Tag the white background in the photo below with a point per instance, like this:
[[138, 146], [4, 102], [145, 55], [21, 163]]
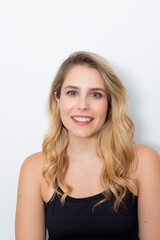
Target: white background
[[36, 36]]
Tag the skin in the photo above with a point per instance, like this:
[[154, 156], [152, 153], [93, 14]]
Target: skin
[[33, 190]]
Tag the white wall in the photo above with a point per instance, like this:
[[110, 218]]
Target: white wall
[[36, 36]]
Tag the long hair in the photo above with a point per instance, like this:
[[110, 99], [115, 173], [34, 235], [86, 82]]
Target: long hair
[[114, 141]]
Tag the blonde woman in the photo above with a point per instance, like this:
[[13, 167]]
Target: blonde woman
[[91, 181]]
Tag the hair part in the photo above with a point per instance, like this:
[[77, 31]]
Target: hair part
[[114, 140]]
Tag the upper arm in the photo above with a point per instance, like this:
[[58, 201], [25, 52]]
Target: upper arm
[[149, 193], [30, 219]]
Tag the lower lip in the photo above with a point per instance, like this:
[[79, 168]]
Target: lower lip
[[82, 123]]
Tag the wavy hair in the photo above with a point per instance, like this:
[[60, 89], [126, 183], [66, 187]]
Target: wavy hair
[[114, 140]]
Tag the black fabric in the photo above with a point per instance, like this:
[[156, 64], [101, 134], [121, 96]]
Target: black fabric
[[76, 220]]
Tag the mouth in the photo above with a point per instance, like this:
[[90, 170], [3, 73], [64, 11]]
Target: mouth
[[83, 120]]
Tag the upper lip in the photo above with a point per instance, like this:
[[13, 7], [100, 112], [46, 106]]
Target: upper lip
[[82, 116]]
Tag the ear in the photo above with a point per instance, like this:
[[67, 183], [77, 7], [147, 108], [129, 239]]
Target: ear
[[57, 99]]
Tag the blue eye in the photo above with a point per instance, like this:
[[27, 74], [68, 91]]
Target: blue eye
[[97, 95], [72, 93]]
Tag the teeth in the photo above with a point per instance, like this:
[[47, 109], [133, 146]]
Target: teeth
[[82, 119]]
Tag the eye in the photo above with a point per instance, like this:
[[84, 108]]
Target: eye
[[72, 93], [96, 95]]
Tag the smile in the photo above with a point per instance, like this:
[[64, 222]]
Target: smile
[[82, 119]]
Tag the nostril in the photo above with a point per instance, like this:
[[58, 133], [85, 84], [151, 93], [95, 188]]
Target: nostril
[[84, 107]]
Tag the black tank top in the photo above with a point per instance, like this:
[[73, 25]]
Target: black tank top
[[76, 220]]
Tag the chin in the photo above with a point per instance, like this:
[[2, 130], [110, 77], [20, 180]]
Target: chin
[[83, 135]]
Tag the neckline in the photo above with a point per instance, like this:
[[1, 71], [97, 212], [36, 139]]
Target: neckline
[[96, 196], [83, 198]]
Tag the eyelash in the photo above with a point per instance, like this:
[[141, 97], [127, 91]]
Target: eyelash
[[100, 95]]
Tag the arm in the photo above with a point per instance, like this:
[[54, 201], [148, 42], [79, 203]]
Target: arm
[[149, 193], [30, 217]]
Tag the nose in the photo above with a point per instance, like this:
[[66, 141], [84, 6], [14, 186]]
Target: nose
[[83, 104]]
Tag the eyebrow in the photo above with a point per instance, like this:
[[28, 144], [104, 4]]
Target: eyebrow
[[95, 89]]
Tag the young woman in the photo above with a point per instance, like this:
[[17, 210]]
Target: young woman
[[91, 181]]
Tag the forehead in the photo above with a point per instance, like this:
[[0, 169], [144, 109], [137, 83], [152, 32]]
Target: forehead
[[83, 76]]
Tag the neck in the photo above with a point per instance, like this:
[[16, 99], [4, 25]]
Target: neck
[[82, 149]]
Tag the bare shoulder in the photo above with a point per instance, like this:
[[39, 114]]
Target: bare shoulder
[[148, 178], [147, 157], [33, 165], [31, 173], [32, 169], [35, 159], [30, 210], [145, 150], [148, 167]]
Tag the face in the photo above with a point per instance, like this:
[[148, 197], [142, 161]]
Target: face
[[83, 102]]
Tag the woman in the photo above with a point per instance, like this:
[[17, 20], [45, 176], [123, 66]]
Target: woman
[[91, 181]]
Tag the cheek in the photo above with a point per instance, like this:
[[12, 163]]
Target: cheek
[[65, 106], [102, 109]]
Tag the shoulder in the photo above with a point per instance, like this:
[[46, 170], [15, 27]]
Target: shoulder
[[148, 178], [35, 159], [144, 150], [148, 164], [30, 218], [146, 156], [32, 166], [31, 177]]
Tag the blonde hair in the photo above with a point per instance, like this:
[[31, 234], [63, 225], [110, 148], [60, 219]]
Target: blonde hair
[[114, 140]]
